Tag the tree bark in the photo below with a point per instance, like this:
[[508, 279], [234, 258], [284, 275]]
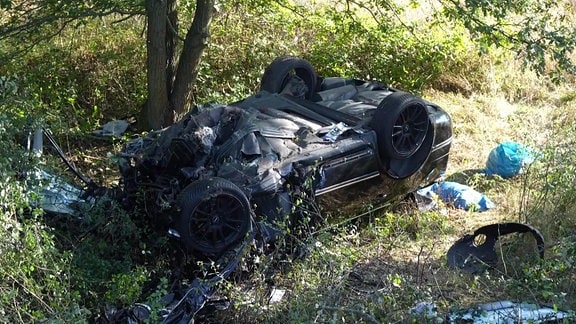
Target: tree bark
[[157, 102], [171, 40], [188, 65], [170, 83]]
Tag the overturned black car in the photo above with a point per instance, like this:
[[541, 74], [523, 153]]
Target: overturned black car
[[224, 169]]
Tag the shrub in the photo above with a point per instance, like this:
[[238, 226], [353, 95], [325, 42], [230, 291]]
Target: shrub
[[35, 272], [87, 75]]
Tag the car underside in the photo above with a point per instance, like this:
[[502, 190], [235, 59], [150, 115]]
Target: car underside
[[223, 169]]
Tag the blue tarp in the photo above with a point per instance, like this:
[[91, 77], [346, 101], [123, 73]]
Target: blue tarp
[[459, 195]]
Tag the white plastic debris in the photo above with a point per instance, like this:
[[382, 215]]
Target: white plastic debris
[[276, 295]]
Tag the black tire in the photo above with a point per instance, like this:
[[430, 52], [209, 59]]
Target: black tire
[[214, 215], [278, 74], [401, 123]]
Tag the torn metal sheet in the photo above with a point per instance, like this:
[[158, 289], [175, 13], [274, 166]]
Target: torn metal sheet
[[58, 196], [500, 312], [474, 255], [201, 291], [507, 312]]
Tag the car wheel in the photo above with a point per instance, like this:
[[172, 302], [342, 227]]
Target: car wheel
[[401, 123], [214, 214], [281, 70]]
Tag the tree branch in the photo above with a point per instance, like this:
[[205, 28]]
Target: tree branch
[[41, 20]]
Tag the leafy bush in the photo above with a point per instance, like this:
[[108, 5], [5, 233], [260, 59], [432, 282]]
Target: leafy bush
[[550, 184], [56, 266], [36, 273], [337, 44], [548, 204], [87, 75], [402, 58]]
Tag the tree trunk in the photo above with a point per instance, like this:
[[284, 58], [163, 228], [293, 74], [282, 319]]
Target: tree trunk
[[170, 83], [171, 39], [157, 103], [188, 65]]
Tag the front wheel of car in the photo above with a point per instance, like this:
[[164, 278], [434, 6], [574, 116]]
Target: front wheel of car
[[401, 124], [214, 215], [278, 74]]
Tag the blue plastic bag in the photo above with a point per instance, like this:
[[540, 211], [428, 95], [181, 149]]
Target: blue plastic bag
[[508, 159], [462, 196]]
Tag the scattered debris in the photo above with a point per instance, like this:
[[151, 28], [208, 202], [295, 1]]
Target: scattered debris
[[228, 176], [501, 312], [475, 253], [55, 195], [139, 313], [334, 132]]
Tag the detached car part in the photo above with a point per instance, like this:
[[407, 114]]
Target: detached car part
[[225, 168], [56, 195], [505, 312], [475, 253]]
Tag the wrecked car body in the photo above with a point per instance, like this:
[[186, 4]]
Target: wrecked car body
[[225, 176], [223, 169]]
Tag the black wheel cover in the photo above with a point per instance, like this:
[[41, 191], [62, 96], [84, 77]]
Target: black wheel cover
[[278, 74], [215, 214], [401, 122]]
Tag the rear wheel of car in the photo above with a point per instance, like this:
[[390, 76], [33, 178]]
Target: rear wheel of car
[[281, 70], [214, 215], [401, 123]]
